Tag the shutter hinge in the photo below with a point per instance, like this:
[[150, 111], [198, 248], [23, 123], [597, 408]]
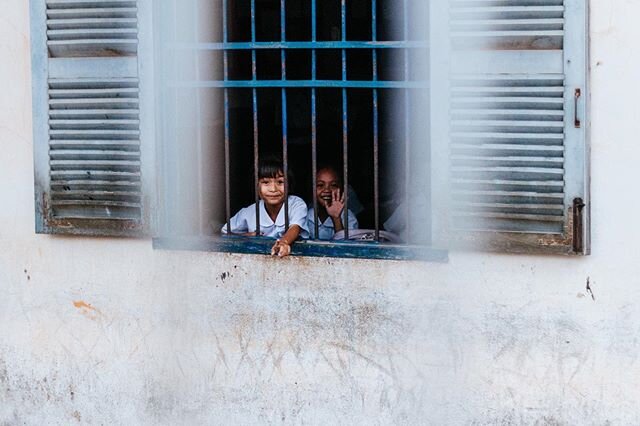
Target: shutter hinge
[[578, 225], [576, 120]]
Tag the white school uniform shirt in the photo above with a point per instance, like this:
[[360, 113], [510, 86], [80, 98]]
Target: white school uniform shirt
[[245, 220], [325, 229]]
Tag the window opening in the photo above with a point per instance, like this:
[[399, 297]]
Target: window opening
[[323, 79]]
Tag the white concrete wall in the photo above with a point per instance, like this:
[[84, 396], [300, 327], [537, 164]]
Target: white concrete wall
[[107, 331]]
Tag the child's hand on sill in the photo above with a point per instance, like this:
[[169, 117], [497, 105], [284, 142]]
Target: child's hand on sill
[[281, 248]]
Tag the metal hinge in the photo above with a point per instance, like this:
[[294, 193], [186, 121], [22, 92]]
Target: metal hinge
[[576, 118], [578, 225]]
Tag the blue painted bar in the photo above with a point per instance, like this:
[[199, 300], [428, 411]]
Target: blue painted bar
[[227, 172], [407, 123], [243, 45], [262, 246], [285, 153], [376, 168], [254, 102], [345, 120], [353, 84], [314, 128]]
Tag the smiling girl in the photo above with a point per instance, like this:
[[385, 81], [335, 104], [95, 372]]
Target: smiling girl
[[330, 200], [271, 189]]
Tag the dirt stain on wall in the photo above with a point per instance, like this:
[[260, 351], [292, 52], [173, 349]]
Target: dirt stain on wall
[[87, 309]]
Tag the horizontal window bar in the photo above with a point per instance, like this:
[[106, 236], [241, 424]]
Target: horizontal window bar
[[303, 45], [262, 245], [353, 84]]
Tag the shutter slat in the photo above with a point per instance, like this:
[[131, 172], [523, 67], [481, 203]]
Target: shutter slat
[[114, 93], [94, 113], [92, 34], [94, 155], [519, 216], [507, 25], [121, 144], [93, 12], [58, 4], [108, 175], [92, 28], [83, 195], [133, 135]]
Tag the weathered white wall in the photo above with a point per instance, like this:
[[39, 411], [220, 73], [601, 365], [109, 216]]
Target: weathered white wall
[[108, 331]]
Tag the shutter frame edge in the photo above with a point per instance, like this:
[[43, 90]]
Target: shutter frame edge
[[554, 244], [45, 223]]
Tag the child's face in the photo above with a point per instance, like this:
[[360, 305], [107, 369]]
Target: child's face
[[272, 190], [326, 183]]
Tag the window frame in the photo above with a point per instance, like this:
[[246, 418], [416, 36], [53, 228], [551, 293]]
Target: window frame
[[439, 174], [310, 247]]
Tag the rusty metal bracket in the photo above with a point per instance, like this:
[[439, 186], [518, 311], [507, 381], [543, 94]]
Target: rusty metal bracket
[[578, 225]]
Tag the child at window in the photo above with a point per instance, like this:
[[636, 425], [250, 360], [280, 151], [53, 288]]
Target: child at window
[[330, 205], [271, 180]]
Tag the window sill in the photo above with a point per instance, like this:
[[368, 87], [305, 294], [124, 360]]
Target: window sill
[[259, 245]]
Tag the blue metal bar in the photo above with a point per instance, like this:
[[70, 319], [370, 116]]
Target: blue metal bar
[[285, 154], [245, 45], [314, 128], [353, 84], [376, 169], [198, 119], [254, 101], [345, 118], [227, 172], [407, 110], [260, 246]]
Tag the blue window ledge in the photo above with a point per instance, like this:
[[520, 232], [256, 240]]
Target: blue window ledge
[[262, 245]]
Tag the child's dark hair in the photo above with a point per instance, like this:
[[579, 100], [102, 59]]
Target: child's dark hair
[[331, 167], [271, 166]]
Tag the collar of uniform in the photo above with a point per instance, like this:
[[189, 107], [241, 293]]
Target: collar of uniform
[[312, 218], [266, 219]]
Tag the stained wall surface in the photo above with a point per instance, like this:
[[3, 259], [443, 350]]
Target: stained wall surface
[[110, 331]]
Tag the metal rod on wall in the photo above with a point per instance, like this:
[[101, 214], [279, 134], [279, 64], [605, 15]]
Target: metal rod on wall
[[227, 172], [314, 129], [285, 154], [254, 103], [345, 120], [376, 168], [407, 124]]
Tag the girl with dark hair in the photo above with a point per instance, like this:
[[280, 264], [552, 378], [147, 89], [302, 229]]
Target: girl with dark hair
[[330, 201], [271, 190]]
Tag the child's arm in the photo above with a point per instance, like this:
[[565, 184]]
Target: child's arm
[[282, 247]]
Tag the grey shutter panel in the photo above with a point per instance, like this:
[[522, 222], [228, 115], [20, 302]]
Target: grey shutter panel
[[86, 117], [518, 150]]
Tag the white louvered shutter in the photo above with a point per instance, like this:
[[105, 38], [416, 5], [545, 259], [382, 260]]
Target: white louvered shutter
[[518, 128], [86, 117]]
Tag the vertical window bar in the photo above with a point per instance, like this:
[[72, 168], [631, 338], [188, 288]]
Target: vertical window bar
[[283, 68], [198, 120], [407, 155], [376, 170], [345, 141], [314, 129], [227, 177], [256, 151]]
